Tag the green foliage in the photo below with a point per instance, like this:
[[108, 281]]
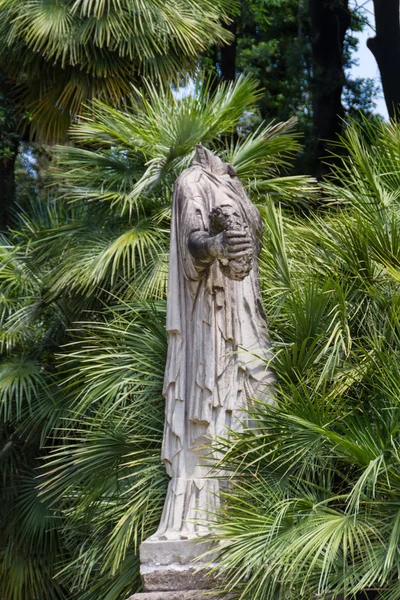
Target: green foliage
[[278, 54], [61, 54], [273, 43], [83, 279], [124, 184], [313, 510], [105, 475]]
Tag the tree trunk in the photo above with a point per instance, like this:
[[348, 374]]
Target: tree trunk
[[7, 189], [10, 137], [227, 63], [330, 20], [385, 47]]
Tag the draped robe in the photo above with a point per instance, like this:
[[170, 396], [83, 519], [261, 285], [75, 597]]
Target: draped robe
[[218, 348]]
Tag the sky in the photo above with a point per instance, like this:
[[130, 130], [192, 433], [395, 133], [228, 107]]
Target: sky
[[367, 66]]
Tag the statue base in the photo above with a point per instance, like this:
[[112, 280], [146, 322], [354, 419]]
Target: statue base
[[177, 578], [183, 552], [172, 570]]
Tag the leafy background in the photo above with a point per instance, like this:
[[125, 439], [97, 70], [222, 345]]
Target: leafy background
[[313, 509]]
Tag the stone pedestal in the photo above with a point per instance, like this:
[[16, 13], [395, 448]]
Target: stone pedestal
[[183, 552], [175, 578], [172, 570]]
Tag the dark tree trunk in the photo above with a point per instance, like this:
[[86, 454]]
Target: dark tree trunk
[[330, 20], [10, 137], [385, 46], [227, 62], [7, 188]]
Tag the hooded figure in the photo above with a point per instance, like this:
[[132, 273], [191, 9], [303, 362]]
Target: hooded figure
[[218, 345]]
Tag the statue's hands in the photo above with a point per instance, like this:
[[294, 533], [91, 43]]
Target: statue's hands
[[230, 245], [227, 245]]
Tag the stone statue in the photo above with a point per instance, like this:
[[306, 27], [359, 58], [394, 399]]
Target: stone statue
[[218, 353], [218, 341]]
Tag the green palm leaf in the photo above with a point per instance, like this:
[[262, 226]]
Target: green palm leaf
[[61, 55]]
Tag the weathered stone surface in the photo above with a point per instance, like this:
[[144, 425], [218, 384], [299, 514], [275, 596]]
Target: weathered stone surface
[[168, 552], [177, 577], [187, 595], [218, 343]]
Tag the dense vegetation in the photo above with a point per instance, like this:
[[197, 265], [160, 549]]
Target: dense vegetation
[[83, 335], [313, 507]]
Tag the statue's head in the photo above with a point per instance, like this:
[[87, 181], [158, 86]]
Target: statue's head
[[210, 162]]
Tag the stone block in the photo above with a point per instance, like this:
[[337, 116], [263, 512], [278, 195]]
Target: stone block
[[167, 552], [177, 577]]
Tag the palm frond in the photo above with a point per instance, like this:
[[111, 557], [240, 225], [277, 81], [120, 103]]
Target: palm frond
[[97, 50]]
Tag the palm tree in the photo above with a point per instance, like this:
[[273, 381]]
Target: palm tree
[[55, 56], [126, 182], [63, 54], [83, 312], [313, 510]]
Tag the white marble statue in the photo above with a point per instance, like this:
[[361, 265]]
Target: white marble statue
[[218, 347]]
